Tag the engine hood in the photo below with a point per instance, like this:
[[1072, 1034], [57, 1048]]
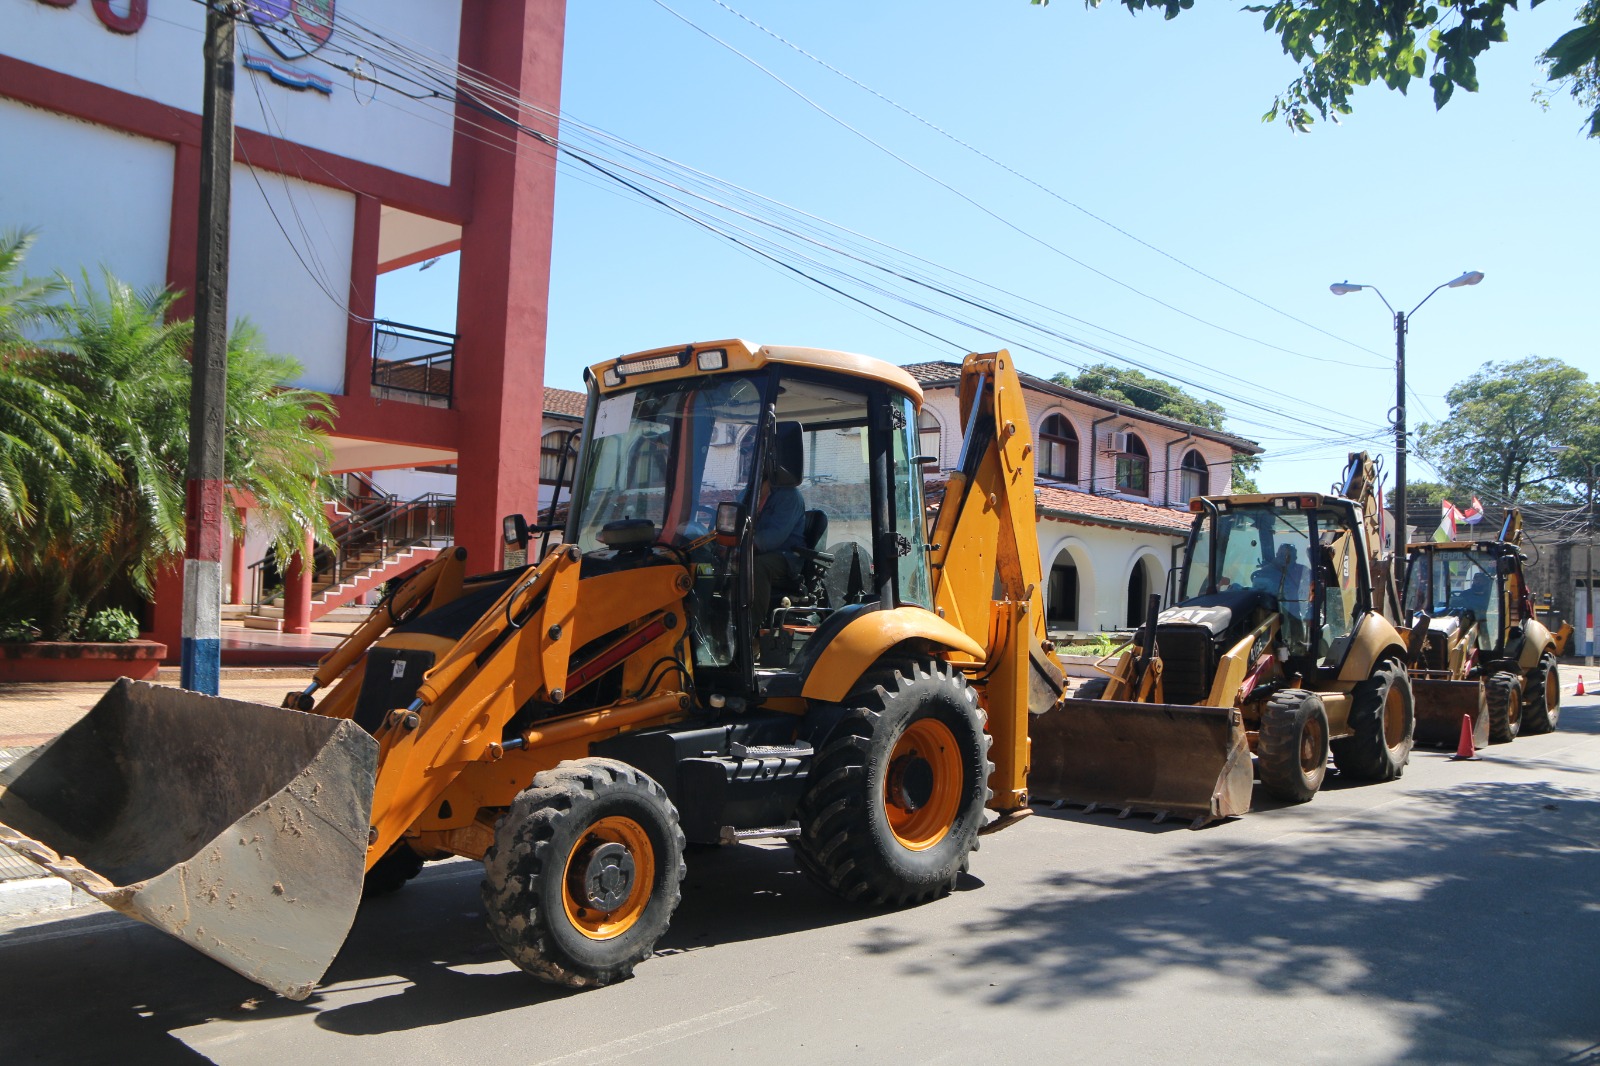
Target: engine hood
[[1216, 611]]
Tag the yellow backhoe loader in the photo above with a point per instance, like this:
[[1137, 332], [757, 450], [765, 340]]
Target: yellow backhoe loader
[[1282, 645], [1485, 653], [746, 633]]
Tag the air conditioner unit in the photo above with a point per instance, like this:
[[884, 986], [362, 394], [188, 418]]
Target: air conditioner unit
[[1116, 441], [724, 433]]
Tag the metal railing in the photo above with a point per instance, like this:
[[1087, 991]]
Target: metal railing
[[413, 364], [365, 540]]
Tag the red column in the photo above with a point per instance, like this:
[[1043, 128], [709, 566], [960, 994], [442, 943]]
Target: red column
[[297, 589], [505, 274], [238, 574]]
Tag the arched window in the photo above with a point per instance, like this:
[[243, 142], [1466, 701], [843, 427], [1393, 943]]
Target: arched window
[[1133, 468], [1195, 479], [1058, 449], [928, 439], [1061, 599], [550, 447]]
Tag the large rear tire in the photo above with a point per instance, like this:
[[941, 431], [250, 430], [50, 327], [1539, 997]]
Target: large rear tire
[[1541, 701], [897, 791], [584, 873], [1292, 745], [1505, 707], [1383, 718]]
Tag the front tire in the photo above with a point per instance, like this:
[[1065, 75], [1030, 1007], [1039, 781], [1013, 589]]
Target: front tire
[[897, 792], [1505, 707], [1541, 703], [391, 873], [1383, 718], [1292, 745], [584, 873], [1092, 689]]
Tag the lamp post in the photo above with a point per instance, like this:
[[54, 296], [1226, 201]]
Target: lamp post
[[1401, 321]]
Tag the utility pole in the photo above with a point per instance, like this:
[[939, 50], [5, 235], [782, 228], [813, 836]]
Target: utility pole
[[1588, 577], [202, 553], [1400, 324]]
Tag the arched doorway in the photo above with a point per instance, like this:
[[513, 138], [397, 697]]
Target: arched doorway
[[1143, 580], [1062, 593]]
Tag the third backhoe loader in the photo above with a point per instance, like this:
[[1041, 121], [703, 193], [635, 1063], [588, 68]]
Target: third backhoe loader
[[1486, 654], [1282, 644], [746, 634]]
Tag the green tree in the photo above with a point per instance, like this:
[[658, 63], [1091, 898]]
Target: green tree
[[1153, 394], [113, 513], [1343, 45], [1508, 427], [1421, 494]]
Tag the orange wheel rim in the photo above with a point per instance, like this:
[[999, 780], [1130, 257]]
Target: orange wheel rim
[[1311, 741], [606, 883], [922, 792], [1394, 717]]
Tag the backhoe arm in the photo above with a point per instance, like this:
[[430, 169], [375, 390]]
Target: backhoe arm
[[987, 521]]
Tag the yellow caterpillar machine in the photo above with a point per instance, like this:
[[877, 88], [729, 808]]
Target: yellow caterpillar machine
[[746, 633], [1485, 646], [1282, 645]]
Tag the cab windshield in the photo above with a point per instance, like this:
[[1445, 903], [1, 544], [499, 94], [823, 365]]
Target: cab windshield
[[1257, 547], [1454, 582], [652, 456]]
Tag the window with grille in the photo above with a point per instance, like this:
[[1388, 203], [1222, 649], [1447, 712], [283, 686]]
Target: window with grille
[[1058, 449], [550, 447], [928, 436]]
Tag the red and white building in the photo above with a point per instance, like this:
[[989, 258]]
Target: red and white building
[[337, 179]]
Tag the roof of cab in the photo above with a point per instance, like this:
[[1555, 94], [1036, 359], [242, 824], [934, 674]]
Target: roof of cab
[[742, 355]]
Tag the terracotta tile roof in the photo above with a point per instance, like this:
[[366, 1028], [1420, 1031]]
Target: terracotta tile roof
[[565, 402], [941, 372], [1074, 506], [1069, 505]]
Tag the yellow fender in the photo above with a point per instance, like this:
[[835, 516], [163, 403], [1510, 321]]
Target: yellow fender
[[865, 639]]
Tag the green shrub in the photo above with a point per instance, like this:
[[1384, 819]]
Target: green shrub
[[20, 631], [112, 626]]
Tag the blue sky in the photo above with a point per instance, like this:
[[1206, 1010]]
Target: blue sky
[[1153, 126]]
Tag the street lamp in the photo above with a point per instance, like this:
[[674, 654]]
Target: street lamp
[[1401, 321]]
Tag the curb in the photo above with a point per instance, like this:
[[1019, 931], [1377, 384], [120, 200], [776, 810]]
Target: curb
[[38, 895]]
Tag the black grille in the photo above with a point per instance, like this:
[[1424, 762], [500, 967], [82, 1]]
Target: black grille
[[1186, 662]]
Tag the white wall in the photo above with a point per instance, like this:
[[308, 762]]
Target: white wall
[[162, 62], [87, 216], [296, 294], [1105, 559]]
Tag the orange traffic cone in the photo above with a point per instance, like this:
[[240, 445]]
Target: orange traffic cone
[[1579, 690], [1465, 750]]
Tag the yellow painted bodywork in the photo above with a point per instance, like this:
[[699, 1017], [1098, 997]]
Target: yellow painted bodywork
[[986, 536], [744, 356], [854, 650]]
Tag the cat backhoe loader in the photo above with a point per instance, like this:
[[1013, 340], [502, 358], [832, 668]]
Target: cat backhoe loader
[[1282, 645], [573, 723], [1486, 654]]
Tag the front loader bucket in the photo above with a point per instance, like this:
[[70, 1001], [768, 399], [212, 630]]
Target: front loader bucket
[[1157, 757], [1440, 706], [238, 828]]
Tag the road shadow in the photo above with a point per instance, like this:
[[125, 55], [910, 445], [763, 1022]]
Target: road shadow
[[1470, 918], [117, 990]]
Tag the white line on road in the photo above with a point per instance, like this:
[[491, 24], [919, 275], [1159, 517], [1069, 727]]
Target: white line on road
[[665, 1034]]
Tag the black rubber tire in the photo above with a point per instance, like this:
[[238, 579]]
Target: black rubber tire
[[1505, 706], [1092, 689], [526, 872], [1285, 722], [1367, 755], [846, 844], [390, 873], [1541, 700]]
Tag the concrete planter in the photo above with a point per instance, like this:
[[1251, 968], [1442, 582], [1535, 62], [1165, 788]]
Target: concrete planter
[[1081, 665], [51, 660]]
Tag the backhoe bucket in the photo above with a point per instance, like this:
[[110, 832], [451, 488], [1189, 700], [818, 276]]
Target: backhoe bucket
[[238, 828], [1156, 757], [1440, 706]]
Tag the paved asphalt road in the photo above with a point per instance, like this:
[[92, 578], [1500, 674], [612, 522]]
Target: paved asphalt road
[[1451, 917]]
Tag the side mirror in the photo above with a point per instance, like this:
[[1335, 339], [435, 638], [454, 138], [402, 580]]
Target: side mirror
[[514, 531], [1505, 565], [730, 521]]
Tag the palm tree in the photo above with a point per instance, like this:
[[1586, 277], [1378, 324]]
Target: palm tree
[[103, 529]]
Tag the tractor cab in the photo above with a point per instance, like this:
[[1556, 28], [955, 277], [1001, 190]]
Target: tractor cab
[[785, 479], [1461, 589]]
